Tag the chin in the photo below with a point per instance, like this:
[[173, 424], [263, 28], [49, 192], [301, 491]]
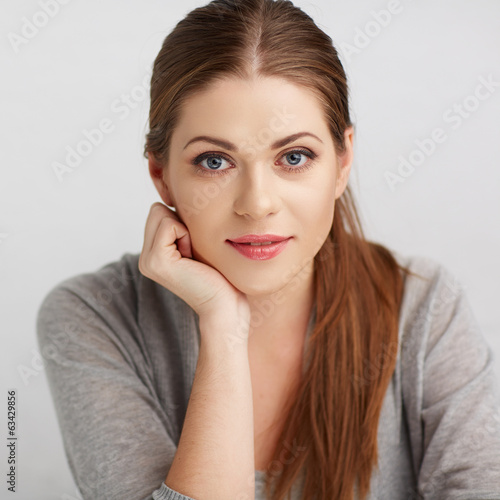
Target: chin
[[253, 285]]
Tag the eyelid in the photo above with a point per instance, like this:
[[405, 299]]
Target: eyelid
[[203, 155], [299, 149]]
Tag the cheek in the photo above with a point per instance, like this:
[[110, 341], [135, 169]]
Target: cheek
[[319, 212], [191, 206], [202, 231], [199, 247], [202, 198], [319, 201]]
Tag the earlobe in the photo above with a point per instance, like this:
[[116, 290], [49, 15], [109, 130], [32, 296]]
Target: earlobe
[[342, 179], [156, 171], [345, 163]]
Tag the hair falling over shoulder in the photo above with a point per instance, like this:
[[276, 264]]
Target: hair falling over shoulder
[[334, 415]]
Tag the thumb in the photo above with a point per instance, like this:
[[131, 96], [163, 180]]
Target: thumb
[[183, 244]]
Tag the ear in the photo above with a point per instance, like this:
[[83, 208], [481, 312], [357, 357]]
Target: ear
[[157, 171], [345, 162]]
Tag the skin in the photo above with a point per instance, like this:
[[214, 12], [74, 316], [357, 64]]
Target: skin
[[255, 194]]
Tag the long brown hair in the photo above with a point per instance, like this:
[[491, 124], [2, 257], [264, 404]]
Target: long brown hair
[[352, 350]]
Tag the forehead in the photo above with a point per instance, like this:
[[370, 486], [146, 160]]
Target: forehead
[[262, 106]]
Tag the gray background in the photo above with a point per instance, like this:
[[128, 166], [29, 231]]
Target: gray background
[[406, 75]]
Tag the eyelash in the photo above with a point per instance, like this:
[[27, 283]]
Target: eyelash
[[203, 171]]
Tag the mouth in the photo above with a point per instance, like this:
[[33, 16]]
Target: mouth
[[259, 239], [259, 244], [263, 250]]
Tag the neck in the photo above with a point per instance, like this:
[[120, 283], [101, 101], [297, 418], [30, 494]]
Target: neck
[[280, 319]]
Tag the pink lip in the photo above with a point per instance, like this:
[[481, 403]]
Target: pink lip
[[263, 252], [259, 238]]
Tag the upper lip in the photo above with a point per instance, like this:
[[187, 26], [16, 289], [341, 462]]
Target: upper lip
[[259, 238]]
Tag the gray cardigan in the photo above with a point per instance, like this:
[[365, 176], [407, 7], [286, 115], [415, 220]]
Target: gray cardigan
[[120, 353]]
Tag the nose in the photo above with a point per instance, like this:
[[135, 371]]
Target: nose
[[257, 192]]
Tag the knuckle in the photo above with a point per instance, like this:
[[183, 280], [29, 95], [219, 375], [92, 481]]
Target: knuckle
[[165, 221], [144, 265], [141, 268], [155, 263]]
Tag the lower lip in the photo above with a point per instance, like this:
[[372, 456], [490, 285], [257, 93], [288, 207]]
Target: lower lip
[[260, 252]]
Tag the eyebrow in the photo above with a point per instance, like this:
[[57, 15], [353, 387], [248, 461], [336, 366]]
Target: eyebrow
[[231, 147]]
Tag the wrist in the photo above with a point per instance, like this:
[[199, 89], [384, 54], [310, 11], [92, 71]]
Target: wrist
[[224, 332]]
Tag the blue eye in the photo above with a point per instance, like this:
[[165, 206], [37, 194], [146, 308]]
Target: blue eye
[[297, 155], [295, 168], [215, 161]]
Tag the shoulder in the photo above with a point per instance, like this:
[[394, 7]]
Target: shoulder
[[448, 384], [115, 282], [116, 299], [434, 304], [431, 286], [430, 273], [91, 309], [119, 274], [437, 324]]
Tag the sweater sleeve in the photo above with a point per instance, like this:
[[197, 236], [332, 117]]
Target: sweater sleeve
[[115, 431], [454, 412]]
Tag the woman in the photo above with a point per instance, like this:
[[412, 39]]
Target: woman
[[259, 345]]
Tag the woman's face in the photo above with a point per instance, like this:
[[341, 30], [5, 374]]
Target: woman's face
[[247, 177]]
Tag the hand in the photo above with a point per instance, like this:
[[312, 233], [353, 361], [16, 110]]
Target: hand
[[167, 258]]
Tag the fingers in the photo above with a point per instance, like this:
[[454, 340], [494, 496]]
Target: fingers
[[183, 242], [169, 235], [156, 213], [163, 229]]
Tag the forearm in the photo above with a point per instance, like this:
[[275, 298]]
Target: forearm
[[215, 456]]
